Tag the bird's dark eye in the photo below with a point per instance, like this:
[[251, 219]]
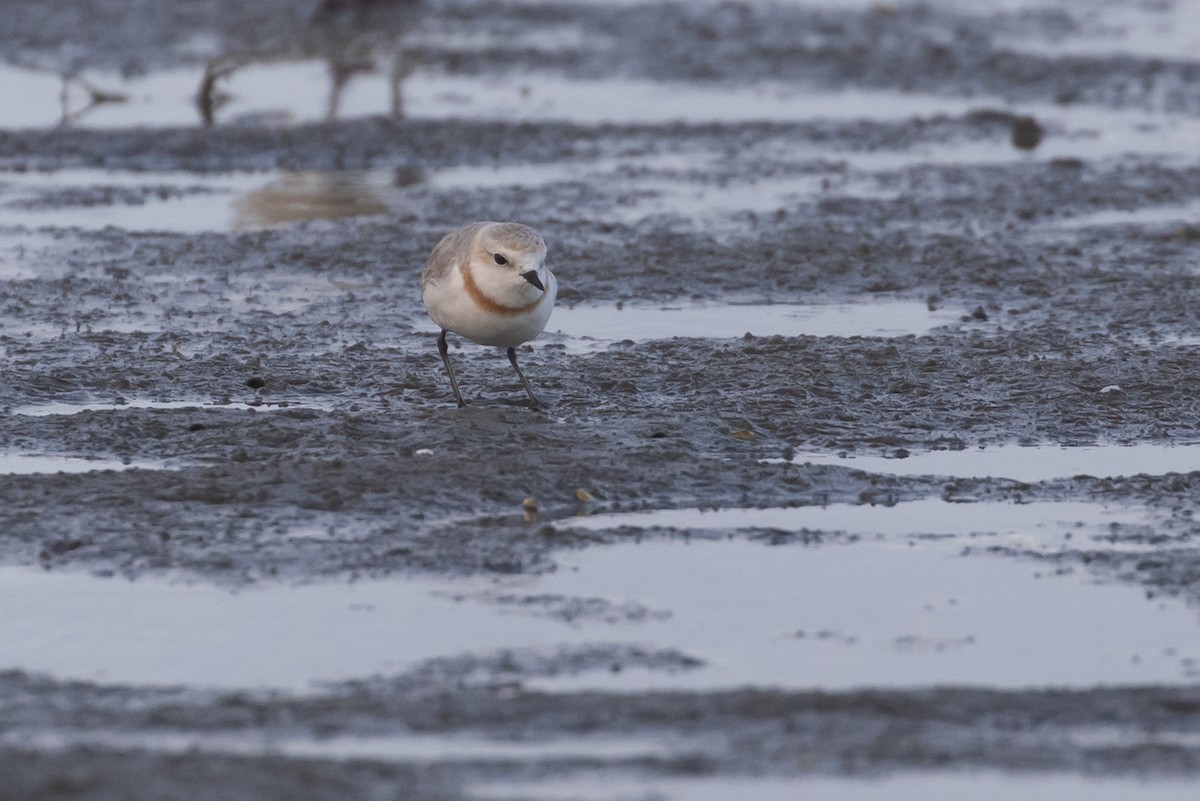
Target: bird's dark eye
[[500, 259]]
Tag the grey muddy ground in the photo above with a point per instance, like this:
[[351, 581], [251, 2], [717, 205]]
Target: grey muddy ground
[[326, 318]]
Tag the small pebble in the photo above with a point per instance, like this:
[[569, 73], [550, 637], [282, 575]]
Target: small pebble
[[1026, 133]]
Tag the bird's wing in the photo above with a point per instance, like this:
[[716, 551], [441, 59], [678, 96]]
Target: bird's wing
[[454, 248]]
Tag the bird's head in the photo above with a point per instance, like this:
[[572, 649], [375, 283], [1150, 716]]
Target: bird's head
[[511, 256]]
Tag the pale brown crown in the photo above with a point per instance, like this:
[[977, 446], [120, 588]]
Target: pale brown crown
[[512, 237]]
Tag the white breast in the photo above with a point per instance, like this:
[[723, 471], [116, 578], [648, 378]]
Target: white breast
[[452, 308]]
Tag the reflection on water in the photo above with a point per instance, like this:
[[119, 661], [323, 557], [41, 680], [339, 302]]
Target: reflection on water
[[347, 38], [192, 203], [93, 96], [351, 37], [305, 196]]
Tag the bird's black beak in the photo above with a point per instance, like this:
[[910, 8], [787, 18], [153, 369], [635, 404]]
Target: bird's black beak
[[532, 277]]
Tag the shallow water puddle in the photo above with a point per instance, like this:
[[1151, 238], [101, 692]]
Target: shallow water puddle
[[549, 97], [23, 464], [1041, 526], [876, 612], [878, 615], [1171, 341], [1083, 136], [154, 631], [676, 185], [287, 198], [189, 214], [16, 252], [299, 91], [1151, 30], [386, 747], [64, 408], [596, 327], [1172, 214], [950, 786], [180, 202], [1019, 463]]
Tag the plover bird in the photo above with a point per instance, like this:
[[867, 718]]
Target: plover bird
[[488, 282]]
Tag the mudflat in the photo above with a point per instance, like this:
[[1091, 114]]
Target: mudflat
[[250, 548]]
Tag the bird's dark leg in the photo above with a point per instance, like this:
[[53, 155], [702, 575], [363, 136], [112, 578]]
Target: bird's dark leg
[[534, 403], [444, 349]]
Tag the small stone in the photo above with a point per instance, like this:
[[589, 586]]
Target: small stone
[[256, 382], [1026, 133]]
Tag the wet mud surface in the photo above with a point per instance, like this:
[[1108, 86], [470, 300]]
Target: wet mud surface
[[281, 375]]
